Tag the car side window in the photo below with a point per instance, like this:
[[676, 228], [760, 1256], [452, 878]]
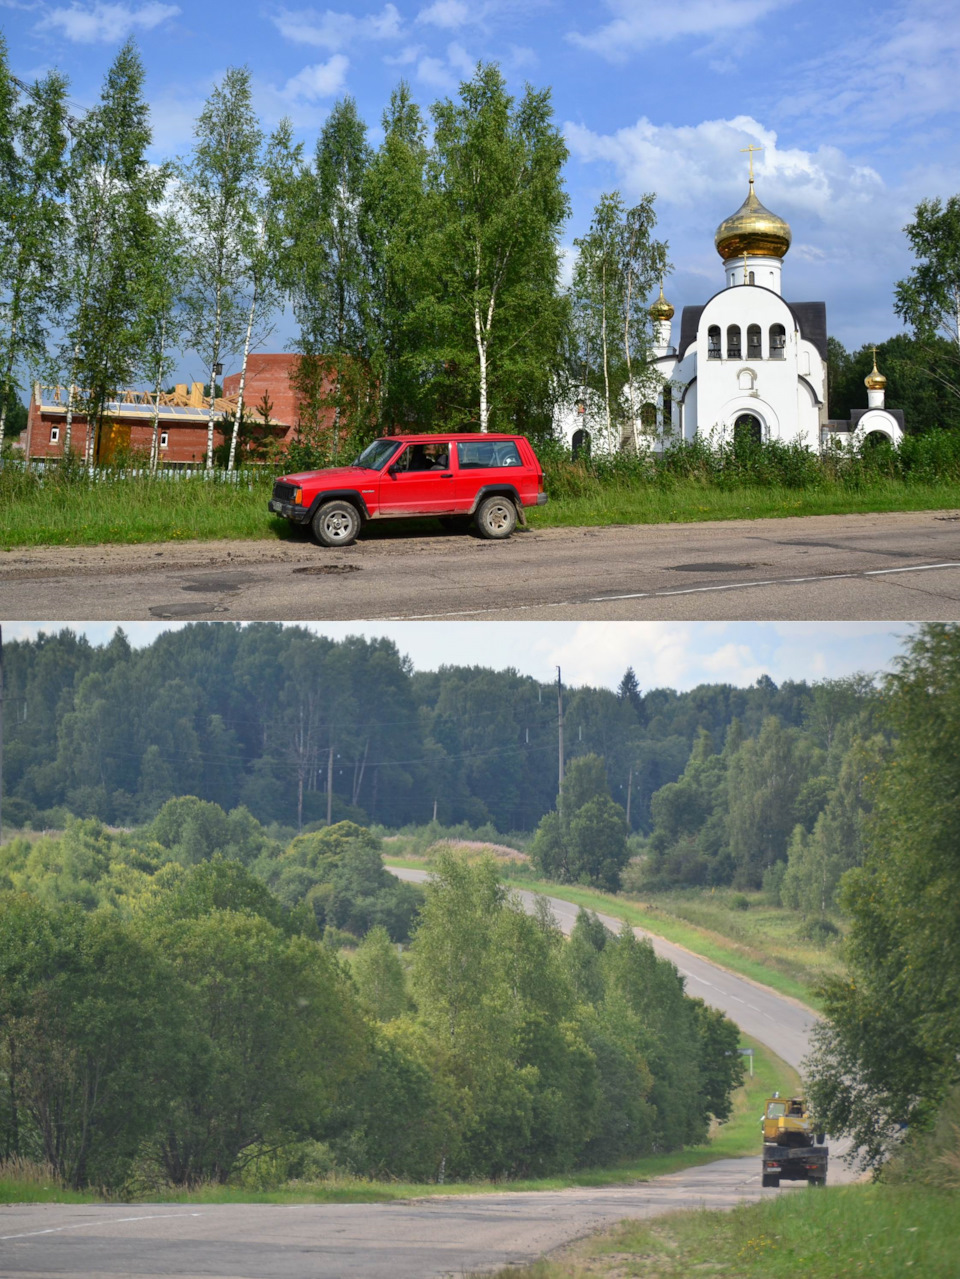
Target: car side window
[[424, 457], [475, 454]]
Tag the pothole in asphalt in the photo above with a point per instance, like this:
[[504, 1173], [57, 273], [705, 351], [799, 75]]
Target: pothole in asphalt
[[712, 566], [218, 582], [186, 610], [328, 569]]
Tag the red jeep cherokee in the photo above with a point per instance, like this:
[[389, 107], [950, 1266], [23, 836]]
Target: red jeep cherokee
[[489, 478]]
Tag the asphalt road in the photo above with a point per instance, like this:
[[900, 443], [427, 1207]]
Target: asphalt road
[[417, 1239], [898, 566]]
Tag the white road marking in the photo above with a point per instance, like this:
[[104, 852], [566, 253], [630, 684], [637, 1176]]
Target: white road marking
[[52, 1230], [685, 590]]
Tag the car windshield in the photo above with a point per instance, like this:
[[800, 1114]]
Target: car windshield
[[376, 455]]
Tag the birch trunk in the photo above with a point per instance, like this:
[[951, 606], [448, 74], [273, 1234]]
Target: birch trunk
[[7, 375], [482, 353], [626, 350], [243, 379], [606, 367], [483, 345], [155, 437], [213, 378]]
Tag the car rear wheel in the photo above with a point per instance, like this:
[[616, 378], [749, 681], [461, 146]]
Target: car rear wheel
[[496, 517], [768, 1179], [336, 524]]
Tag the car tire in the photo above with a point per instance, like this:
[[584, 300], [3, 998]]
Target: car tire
[[496, 517], [336, 524], [769, 1180]]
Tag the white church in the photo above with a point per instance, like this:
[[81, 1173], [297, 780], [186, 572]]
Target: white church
[[748, 360]]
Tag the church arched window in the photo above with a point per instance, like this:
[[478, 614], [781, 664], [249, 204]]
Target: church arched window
[[753, 341], [648, 418], [733, 342], [778, 342], [713, 342], [746, 380], [751, 278], [667, 407]]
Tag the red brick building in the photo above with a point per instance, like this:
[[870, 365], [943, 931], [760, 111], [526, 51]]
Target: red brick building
[[128, 421]]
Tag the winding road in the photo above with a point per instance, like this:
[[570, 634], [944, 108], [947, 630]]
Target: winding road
[[416, 1239]]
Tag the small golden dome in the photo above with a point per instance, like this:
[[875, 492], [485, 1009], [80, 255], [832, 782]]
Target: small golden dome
[[661, 309], [754, 231], [875, 381]]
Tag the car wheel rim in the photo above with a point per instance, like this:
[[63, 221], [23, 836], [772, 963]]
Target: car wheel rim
[[498, 517], [338, 527]]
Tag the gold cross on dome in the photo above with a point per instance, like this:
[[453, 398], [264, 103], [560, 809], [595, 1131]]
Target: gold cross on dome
[[751, 148]]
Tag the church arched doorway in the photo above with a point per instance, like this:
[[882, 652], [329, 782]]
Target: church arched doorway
[[580, 443], [747, 430]]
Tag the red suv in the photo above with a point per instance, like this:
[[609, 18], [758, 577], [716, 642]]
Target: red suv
[[486, 478]]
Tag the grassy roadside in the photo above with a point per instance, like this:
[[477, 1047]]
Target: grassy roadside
[[709, 944], [136, 510], [738, 1136], [847, 1232]]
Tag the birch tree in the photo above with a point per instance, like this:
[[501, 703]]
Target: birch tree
[[929, 299], [114, 192], [616, 266], [271, 206], [496, 206], [218, 194], [33, 154]]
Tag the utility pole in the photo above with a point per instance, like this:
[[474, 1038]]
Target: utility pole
[[629, 790], [330, 785], [560, 745]]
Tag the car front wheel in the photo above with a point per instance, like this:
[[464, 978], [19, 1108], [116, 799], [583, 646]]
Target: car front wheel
[[336, 524], [496, 517]]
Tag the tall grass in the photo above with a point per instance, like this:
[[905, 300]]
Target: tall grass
[[66, 505], [843, 1233]]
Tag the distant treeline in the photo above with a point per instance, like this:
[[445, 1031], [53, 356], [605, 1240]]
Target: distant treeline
[[166, 1018], [250, 715]]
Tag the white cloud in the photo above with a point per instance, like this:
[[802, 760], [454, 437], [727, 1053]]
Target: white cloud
[[335, 31], [693, 165], [105, 23], [449, 14], [322, 80], [636, 24], [405, 58], [446, 74], [902, 69]]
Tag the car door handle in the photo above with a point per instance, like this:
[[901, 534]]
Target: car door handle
[[447, 475]]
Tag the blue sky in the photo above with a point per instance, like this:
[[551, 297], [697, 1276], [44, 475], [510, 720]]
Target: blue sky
[[677, 655], [854, 103]]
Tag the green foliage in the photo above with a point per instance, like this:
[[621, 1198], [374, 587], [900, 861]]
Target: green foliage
[[379, 976], [888, 1051], [585, 839], [616, 266], [91, 1039]]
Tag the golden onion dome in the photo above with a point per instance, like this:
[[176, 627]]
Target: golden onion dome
[[875, 381], [752, 231], [661, 309]]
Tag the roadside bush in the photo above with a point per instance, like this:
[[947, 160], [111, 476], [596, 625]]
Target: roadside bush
[[820, 931]]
